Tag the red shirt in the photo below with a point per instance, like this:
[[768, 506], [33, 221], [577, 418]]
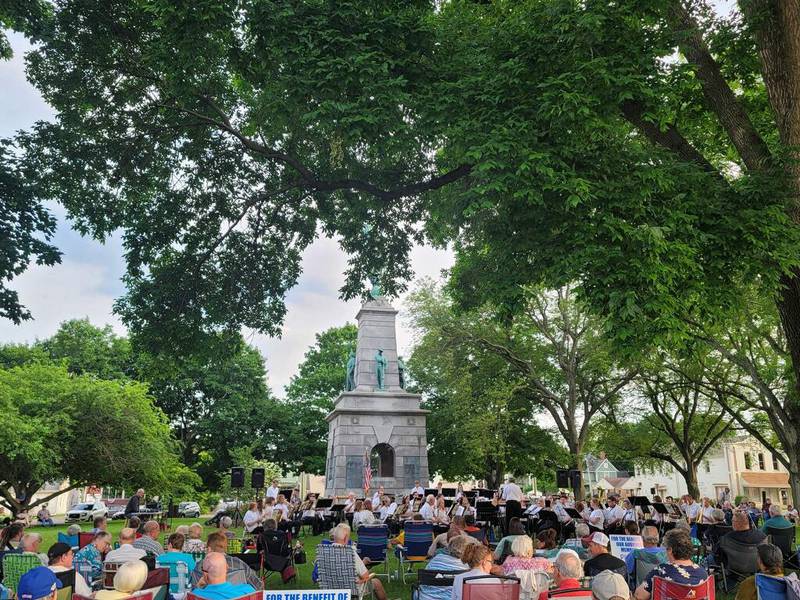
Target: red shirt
[[566, 584]]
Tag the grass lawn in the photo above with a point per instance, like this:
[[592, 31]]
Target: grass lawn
[[394, 588]]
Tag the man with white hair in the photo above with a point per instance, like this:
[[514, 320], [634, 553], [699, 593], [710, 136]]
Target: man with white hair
[[214, 584], [126, 550], [134, 503], [776, 520], [427, 509], [341, 536], [149, 541], [30, 543], [567, 573]]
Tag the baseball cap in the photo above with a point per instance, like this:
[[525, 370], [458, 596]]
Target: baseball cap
[[57, 549], [37, 583], [599, 538], [607, 585]]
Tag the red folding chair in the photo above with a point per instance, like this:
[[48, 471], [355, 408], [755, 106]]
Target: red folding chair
[[491, 588], [669, 590], [84, 539]]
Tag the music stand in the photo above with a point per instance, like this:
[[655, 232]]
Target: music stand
[[642, 502], [325, 504], [431, 491], [471, 495], [449, 492], [286, 493], [448, 502], [573, 513]]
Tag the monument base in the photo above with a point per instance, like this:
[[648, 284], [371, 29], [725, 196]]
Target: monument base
[[388, 425]]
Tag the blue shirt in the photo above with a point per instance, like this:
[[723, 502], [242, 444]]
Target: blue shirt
[[223, 591], [88, 563], [171, 560], [631, 556], [441, 562], [684, 574], [777, 523]]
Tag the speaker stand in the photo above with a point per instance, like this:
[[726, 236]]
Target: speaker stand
[[237, 514]]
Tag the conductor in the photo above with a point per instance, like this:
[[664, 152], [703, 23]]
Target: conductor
[[133, 504]]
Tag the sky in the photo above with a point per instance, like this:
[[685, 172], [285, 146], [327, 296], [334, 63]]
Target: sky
[[87, 281]]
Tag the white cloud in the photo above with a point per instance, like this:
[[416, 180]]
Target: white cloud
[[70, 290]]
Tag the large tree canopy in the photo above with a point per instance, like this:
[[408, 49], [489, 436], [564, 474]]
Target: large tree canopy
[[91, 431]]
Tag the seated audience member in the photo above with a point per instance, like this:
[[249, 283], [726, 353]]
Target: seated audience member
[[716, 530], [479, 560], [652, 553], [73, 529], [149, 541], [11, 537], [135, 523], [364, 516], [183, 530], [522, 558], [225, 524], [88, 560], [30, 544], [129, 578], [44, 517], [679, 566], [567, 573], [515, 529], [60, 556], [776, 519], [237, 571], [440, 542], [126, 551], [631, 528], [215, 583], [608, 585], [743, 533], [175, 555], [792, 514], [340, 536], [40, 583], [770, 562], [546, 543], [99, 524], [601, 559], [193, 543]]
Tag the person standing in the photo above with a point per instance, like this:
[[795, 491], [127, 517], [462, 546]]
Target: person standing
[[134, 503], [273, 490]]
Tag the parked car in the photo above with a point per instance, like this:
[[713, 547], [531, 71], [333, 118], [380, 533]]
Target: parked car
[[189, 510], [86, 511]]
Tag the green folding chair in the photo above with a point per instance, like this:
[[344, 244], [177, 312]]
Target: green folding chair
[[15, 566]]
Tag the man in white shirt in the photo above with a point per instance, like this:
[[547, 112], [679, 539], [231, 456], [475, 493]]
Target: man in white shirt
[[126, 550], [512, 491], [614, 514], [60, 557], [377, 497], [272, 490], [692, 509], [427, 509], [252, 518], [417, 490]]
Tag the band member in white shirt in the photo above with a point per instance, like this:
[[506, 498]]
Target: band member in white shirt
[[692, 509], [535, 507], [596, 518], [364, 516], [464, 508], [252, 519], [377, 497], [630, 513], [387, 509], [417, 490], [512, 491], [708, 512], [273, 490], [350, 503], [459, 491], [427, 509], [614, 513], [439, 487], [281, 511], [440, 512]]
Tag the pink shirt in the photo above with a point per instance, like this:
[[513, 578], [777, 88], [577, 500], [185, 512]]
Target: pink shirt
[[536, 563]]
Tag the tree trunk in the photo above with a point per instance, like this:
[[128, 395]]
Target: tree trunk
[[692, 486]]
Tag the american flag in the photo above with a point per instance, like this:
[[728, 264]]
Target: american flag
[[367, 472]]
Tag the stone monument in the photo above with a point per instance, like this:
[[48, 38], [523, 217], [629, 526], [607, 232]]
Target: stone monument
[[377, 417]]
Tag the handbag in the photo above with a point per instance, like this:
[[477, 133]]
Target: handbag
[[300, 555]]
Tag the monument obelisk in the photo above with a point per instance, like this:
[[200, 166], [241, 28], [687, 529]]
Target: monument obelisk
[[376, 416]]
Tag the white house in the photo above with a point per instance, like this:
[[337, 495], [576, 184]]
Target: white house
[[741, 464]]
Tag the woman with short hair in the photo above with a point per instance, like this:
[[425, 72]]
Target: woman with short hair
[[129, 578], [679, 566]]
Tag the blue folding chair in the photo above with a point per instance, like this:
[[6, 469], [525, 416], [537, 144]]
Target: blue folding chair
[[417, 540], [372, 543], [770, 587], [72, 540]]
